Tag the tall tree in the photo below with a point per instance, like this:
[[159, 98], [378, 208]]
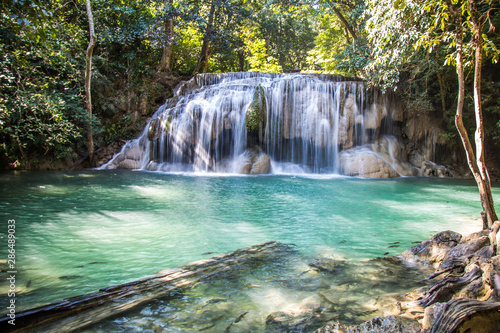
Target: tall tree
[[457, 25], [465, 14], [204, 56], [168, 26], [88, 70]]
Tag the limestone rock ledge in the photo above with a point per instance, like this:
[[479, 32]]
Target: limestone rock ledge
[[460, 295]]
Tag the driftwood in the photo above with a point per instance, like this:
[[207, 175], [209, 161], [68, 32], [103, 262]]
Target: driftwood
[[457, 312], [77, 312], [444, 289]]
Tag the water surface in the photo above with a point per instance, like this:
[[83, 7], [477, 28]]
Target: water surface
[[84, 230]]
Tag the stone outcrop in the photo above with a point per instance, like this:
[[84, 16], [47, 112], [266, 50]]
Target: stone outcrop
[[381, 159], [256, 162], [128, 158], [320, 123], [459, 295]]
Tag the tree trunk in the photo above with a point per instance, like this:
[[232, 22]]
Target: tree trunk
[[342, 19], [88, 69], [241, 61], [485, 185], [166, 58], [440, 81], [204, 53]]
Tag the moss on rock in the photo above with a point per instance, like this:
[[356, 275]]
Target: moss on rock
[[257, 111]]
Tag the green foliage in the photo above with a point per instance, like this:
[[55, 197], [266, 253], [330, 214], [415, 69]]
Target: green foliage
[[258, 57], [41, 108], [288, 34], [399, 44]]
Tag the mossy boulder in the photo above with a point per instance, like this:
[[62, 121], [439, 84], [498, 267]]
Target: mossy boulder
[[256, 114]]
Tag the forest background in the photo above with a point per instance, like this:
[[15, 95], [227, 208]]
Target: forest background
[[145, 48]]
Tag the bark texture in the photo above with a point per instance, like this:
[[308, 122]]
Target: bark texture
[[88, 70], [168, 25]]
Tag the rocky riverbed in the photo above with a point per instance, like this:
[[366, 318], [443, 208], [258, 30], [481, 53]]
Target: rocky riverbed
[[459, 296]]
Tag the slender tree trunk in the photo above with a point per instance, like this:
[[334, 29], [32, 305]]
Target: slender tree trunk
[[88, 69], [485, 186], [342, 19], [204, 53], [484, 189], [166, 57], [440, 81], [241, 61]]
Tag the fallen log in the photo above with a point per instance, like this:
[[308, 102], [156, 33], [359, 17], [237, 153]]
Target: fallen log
[[76, 312], [460, 314]]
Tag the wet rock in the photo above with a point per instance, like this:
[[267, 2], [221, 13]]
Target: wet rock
[[391, 324], [466, 249], [432, 251], [363, 162], [257, 162], [133, 153], [327, 264], [292, 321], [129, 164], [431, 169]]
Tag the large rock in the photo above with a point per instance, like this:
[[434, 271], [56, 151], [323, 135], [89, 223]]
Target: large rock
[[363, 162], [432, 251], [256, 162], [129, 164], [467, 248]]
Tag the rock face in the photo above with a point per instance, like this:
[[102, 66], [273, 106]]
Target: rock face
[[318, 123]]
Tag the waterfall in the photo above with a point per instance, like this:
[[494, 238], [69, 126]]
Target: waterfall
[[260, 123]]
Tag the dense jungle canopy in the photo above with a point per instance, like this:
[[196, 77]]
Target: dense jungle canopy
[[144, 48]]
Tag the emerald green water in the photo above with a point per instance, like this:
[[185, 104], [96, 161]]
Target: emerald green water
[[81, 231]]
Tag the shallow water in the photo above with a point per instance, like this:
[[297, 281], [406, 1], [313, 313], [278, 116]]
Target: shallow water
[[81, 231]]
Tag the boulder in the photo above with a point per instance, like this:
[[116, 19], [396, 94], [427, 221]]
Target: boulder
[[256, 162], [467, 248], [129, 164], [363, 162], [432, 251]]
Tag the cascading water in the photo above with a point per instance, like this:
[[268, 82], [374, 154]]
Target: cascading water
[[259, 123]]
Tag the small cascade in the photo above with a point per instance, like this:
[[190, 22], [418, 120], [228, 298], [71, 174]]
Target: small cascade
[[255, 123]]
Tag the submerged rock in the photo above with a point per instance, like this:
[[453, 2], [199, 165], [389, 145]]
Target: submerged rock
[[391, 324], [303, 320], [327, 264]]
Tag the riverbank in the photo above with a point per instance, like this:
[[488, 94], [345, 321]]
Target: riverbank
[[460, 295]]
